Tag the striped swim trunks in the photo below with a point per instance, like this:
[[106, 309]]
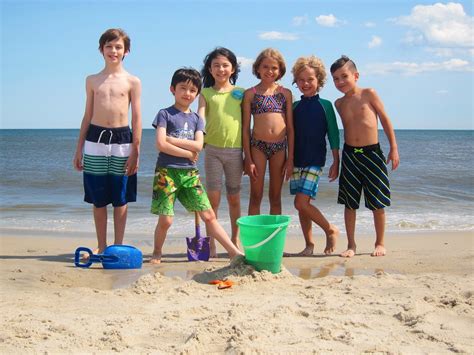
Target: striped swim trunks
[[106, 151], [305, 180], [364, 168]]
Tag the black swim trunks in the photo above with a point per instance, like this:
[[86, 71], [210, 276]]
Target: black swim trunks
[[364, 168]]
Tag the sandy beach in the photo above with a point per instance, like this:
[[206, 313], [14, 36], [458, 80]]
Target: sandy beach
[[416, 300]]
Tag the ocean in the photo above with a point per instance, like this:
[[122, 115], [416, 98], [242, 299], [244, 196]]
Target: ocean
[[433, 189]]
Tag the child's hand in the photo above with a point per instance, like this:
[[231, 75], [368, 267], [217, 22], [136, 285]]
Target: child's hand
[[77, 161], [131, 166], [250, 169], [194, 156], [394, 158], [333, 171]]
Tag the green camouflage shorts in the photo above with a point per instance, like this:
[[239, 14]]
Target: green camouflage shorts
[[184, 184]]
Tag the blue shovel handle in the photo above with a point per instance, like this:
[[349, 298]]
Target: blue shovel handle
[[93, 258]]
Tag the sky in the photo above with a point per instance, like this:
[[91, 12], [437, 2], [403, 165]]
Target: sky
[[417, 55]]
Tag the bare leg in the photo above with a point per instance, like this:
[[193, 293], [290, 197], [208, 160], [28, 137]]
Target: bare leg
[[120, 219], [256, 186], [307, 229], [276, 164], [216, 230], [215, 200], [100, 220], [164, 223], [234, 214], [305, 208], [379, 222], [350, 219]]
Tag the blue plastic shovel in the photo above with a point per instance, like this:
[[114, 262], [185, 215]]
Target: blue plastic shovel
[[113, 257]]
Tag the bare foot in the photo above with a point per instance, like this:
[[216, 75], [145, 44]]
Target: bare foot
[[349, 253], [307, 251], [331, 240], [379, 251], [86, 256], [155, 259]]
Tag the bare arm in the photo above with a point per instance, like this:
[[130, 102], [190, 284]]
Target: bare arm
[[290, 133], [164, 146], [387, 127], [334, 169], [192, 145], [131, 167], [86, 121], [202, 105], [250, 168]]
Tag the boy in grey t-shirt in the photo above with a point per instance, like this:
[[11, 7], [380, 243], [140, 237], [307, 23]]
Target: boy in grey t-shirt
[[179, 138]]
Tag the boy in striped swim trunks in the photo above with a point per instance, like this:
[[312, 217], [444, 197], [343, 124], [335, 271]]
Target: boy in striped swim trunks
[[363, 163], [107, 150]]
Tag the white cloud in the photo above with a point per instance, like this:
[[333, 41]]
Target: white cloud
[[369, 24], [328, 21], [300, 20], [375, 42], [245, 62], [443, 25], [407, 68], [275, 35], [442, 92]]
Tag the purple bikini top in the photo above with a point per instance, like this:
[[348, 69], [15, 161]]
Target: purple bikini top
[[268, 103]]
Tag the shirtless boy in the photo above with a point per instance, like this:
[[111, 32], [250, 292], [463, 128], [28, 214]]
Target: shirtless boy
[[363, 163], [107, 151]]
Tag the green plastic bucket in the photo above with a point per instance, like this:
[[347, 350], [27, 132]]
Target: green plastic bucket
[[263, 238]]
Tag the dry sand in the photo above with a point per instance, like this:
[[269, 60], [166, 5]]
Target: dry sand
[[416, 300]]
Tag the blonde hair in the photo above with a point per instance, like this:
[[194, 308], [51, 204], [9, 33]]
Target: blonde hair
[[272, 54], [310, 62]]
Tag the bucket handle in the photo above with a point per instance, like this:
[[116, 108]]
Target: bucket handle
[[267, 239]]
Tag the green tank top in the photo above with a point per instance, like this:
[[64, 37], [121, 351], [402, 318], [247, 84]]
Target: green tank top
[[223, 117]]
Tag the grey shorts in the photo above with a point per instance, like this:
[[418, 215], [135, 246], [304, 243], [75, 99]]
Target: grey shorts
[[223, 161]]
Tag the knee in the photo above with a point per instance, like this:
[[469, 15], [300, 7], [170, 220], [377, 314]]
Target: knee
[[208, 216], [256, 196], [300, 205], [274, 197], [233, 200], [379, 212], [164, 223]]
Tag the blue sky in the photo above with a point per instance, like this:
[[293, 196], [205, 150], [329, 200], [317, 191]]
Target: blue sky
[[418, 55]]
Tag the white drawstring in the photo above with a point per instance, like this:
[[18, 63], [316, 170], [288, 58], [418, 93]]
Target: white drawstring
[[110, 138]]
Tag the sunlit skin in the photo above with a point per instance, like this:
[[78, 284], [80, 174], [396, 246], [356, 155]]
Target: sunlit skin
[[268, 127], [109, 94], [360, 109]]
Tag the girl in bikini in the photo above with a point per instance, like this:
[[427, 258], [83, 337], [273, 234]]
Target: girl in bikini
[[272, 135]]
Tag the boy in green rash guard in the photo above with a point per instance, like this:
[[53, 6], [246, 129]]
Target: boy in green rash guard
[[314, 119]]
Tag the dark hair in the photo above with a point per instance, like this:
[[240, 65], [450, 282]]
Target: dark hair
[[184, 75], [341, 62], [111, 35], [207, 78]]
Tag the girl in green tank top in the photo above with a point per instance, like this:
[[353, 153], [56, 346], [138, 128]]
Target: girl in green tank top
[[220, 106]]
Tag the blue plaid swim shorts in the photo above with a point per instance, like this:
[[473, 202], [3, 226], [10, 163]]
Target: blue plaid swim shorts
[[305, 180]]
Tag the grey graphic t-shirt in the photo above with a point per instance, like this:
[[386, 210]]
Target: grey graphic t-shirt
[[181, 125]]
